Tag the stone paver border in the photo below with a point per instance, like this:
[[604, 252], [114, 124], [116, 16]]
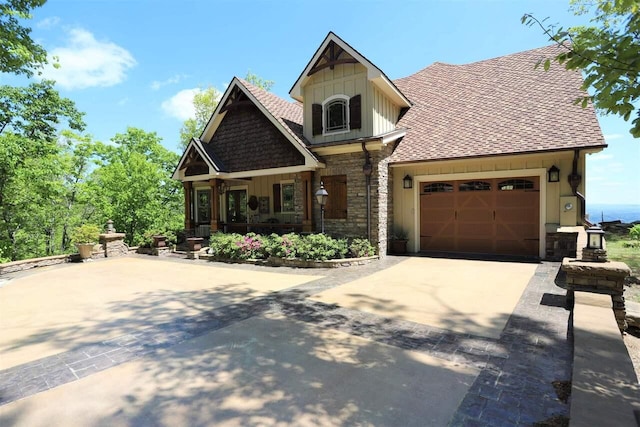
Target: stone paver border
[[514, 387]]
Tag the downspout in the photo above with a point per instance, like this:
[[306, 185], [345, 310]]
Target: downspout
[[574, 181], [367, 169]]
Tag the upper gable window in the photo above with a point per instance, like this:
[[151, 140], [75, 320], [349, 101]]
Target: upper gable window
[[336, 114]]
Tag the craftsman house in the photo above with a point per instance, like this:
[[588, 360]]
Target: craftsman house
[[487, 157]]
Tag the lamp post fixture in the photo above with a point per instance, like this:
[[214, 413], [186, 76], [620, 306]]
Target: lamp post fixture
[[595, 238], [594, 251], [322, 196]]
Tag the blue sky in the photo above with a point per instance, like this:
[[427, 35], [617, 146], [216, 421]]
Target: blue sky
[[138, 62]]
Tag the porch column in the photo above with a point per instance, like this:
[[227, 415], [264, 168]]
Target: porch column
[[215, 205], [188, 224], [307, 199]]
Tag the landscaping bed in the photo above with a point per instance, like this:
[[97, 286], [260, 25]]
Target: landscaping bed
[[291, 250]]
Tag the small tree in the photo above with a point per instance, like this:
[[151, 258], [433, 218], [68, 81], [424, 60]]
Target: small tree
[[607, 52]]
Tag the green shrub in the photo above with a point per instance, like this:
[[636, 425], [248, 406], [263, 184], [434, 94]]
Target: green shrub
[[361, 248], [285, 246], [86, 233], [634, 232], [321, 247], [237, 246], [146, 240]]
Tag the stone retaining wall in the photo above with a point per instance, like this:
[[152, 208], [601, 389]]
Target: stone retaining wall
[[28, 264], [286, 262]]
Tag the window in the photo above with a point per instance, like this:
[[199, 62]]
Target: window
[[437, 187], [337, 114], [516, 184], [287, 194], [336, 186], [203, 206], [475, 186]]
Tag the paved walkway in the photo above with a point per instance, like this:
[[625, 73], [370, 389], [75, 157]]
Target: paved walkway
[[517, 370]]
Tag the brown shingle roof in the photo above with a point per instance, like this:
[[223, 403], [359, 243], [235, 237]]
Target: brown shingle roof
[[492, 107]]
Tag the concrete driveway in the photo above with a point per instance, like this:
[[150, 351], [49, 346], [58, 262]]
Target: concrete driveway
[[139, 341]]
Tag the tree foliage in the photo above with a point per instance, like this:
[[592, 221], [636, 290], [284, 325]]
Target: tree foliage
[[19, 54], [132, 186], [607, 52], [205, 103]]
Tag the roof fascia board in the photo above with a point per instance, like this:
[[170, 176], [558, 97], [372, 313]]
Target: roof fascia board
[[568, 151]]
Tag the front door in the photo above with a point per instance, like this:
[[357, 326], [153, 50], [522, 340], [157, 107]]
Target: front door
[[237, 206]]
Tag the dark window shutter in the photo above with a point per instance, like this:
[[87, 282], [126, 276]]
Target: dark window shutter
[[277, 207], [355, 112], [316, 119], [336, 186]]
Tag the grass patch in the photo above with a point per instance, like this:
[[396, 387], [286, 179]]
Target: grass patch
[[624, 249]]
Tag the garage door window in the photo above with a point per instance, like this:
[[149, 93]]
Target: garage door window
[[516, 184], [475, 186], [438, 187]]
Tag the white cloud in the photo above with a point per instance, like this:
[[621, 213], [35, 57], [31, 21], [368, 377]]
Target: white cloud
[[86, 62], [157, 84], [48, 23], [599, 156], [180, 105], [612, 136]]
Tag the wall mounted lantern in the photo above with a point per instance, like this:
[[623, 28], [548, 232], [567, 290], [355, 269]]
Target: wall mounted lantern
[[322, 196], [407, 182], [595, 238], [553, 174]]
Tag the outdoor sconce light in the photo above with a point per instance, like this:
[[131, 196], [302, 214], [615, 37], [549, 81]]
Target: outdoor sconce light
[[553, 174], [407, 182], [595, 238], [322, 196], [222, 187]]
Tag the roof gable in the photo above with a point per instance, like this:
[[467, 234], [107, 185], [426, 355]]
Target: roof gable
[[333, 51], [285, 116]]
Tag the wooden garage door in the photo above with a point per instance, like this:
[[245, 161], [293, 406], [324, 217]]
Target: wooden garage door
[[498, 216]]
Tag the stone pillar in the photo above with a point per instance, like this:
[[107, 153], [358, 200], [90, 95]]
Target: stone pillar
[[112, 243], [600, 278], [215, 205], [188, 224]]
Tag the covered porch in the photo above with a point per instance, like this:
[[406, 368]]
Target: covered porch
[[279, 203]]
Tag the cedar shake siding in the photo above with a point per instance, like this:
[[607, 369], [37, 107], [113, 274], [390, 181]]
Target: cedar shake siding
[[247, 140]]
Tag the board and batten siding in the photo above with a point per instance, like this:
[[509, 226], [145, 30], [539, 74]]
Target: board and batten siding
[[344, 79], [385, 112]]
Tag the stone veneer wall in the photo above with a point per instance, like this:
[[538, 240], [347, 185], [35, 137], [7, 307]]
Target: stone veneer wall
[[355, 225], [561, 245]]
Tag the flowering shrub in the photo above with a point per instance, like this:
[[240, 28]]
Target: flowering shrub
[[251, 246], [311, 247]]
